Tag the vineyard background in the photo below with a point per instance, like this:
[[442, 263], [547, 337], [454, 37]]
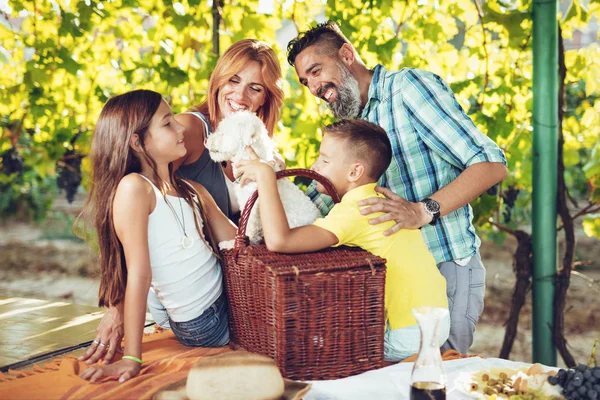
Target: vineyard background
[[60, 60]]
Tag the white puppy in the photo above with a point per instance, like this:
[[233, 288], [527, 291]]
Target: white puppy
[[228, 143]]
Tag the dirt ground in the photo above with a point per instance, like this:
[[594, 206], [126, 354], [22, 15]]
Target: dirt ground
[[582, 316], [46, 261]]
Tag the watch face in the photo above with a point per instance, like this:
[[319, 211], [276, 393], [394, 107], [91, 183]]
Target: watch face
[[432, 206]]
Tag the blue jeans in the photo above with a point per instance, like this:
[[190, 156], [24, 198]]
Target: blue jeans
[[208, 330], [401, 343]]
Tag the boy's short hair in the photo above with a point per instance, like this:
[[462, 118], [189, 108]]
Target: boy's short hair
[[327, 35], [366, 141]]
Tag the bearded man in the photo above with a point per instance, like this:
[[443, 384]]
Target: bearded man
[[440, 163]]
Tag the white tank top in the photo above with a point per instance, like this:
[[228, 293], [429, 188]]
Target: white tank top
[[186, 281]]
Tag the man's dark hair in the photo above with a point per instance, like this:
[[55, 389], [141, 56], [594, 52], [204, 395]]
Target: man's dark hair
[[327, 35], [366, 141]]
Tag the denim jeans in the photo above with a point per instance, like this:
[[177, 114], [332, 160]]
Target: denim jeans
[[465, 287], [208, 330], [399, 344]]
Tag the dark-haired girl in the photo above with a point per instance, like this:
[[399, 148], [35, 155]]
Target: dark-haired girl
[[154, 229]]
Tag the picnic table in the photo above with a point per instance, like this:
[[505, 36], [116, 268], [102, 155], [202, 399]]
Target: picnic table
[[52, 326], [393, 382]]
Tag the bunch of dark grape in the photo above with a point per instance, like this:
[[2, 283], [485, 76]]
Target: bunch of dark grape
[[509, 197], [582, 382], [68, 169], [12, 162]]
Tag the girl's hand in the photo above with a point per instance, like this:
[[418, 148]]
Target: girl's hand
[[124, 369], [108, 338]]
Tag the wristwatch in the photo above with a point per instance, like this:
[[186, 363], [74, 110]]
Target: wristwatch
[[432, 208]]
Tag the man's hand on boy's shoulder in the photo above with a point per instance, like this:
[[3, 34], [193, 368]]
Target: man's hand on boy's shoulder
[[407, 215]]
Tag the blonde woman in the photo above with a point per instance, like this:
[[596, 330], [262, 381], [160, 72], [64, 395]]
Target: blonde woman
[[246, 77]]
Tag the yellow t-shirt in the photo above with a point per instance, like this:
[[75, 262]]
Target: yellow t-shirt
[[412, 277]]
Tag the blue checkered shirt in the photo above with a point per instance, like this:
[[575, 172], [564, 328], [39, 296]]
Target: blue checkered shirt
[[433, 141]]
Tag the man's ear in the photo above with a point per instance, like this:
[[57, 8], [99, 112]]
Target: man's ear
[[134, 142], [346, 54], [357, 170]]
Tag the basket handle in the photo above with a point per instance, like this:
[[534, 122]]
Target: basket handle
[[240, 238]]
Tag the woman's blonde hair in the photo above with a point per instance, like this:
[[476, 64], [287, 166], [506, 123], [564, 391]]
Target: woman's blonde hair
[[232, 62]]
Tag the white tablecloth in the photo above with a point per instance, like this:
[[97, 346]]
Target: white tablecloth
[[393, 382]]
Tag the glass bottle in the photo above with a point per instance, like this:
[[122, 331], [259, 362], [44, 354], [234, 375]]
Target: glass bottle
[[428, 380]]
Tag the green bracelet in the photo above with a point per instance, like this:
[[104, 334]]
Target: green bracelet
[[133, 358]]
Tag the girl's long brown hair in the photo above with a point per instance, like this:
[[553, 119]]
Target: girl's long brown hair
[[233, 61], [112, 158]]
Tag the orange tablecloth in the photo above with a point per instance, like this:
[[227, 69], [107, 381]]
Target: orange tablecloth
[[165, 361]]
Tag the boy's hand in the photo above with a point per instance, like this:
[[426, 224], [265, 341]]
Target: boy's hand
[[253, 170], [124, 369]]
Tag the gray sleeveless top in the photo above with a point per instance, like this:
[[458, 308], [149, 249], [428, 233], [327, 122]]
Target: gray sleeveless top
[[208, 173]]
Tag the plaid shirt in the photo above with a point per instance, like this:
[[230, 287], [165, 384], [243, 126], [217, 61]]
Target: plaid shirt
[[433, 141]]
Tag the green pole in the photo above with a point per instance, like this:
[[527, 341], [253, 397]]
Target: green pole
[[545, 159]]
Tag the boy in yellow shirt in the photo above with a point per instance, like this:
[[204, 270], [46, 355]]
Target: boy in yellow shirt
[[353, 156]]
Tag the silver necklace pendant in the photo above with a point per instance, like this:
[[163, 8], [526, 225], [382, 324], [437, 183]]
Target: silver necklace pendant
[[187, 242]]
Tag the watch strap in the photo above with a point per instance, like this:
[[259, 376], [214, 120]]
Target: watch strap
[[436, 215]]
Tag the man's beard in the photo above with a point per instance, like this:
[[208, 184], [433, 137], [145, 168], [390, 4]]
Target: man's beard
[[347, 102]]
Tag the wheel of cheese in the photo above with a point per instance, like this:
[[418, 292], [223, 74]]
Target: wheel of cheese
[[235, 375]]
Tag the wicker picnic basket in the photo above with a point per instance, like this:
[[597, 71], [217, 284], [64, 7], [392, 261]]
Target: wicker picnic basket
[[318, 315]]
